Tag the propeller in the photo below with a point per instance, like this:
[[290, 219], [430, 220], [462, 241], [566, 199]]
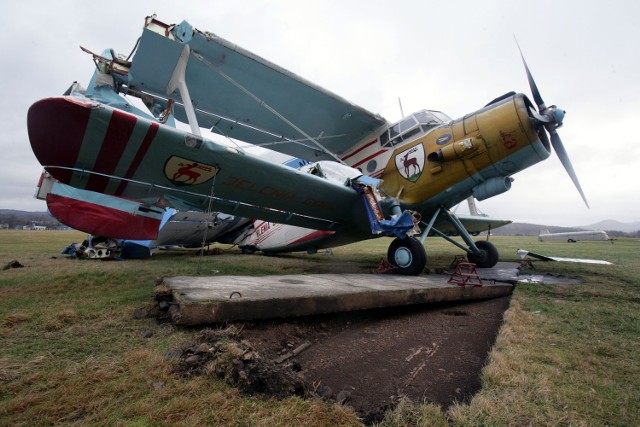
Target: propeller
[[551, 118]]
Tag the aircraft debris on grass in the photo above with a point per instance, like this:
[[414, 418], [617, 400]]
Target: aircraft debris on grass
[[574, 236], [368, 177], [523, 254]]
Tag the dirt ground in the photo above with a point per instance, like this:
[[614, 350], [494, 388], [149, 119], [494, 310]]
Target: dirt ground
[[368, 360]]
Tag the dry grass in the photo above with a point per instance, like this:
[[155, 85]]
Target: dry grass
[[73, 353]]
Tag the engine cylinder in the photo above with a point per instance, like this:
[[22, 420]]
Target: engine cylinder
[[492, 187]]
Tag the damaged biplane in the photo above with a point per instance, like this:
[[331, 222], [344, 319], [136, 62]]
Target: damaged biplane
[[368, 177]]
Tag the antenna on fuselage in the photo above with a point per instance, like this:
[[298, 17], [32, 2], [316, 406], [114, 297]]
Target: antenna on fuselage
[[401, 110]]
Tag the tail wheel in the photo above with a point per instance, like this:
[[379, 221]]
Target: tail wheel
[[408, 255], [488, 256]]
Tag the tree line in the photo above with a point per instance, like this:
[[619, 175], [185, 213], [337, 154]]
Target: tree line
[[28, 218]]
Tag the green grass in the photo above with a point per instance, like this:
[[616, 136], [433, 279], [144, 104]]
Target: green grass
[[72, 352]]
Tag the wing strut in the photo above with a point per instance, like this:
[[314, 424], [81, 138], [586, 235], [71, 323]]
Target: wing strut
[[262, 103], [459, 227], [178, 82]]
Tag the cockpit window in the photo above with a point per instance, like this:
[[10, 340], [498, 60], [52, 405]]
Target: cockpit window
[[413, 126], [406, 124], [442, 116]]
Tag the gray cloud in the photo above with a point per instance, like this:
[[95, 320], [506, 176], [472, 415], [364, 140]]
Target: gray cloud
[[453, 56]]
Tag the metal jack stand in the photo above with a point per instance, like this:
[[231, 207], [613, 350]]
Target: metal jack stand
[[525, 264], [465, 274], [384, 267], [457, 260]]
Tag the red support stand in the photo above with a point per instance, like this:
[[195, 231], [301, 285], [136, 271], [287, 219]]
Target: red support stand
[[465, 274], [384, 267]]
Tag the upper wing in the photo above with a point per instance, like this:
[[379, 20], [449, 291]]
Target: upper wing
[[97, 148], [243, 96]]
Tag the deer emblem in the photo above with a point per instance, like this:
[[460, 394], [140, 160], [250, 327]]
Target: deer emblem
[[181, 171], [408, 163], [188, 172]]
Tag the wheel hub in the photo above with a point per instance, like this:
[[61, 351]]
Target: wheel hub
[[403, 257]]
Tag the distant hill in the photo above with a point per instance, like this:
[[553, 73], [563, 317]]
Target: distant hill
[[611, 224], [20, 218], [524, 229], [21, 213]]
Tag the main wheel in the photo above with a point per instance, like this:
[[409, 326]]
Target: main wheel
[[488, 256], [408, 255]]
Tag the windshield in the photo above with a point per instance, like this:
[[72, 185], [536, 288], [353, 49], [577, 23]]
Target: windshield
[[411, 127]]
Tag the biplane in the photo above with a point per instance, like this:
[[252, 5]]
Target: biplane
[[367, 177]]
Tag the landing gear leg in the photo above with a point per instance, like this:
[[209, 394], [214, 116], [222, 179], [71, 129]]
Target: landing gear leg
[[482, 253]]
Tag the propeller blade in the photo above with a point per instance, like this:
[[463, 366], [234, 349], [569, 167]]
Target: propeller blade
[[551, 118], [532, 84], [556, 142]]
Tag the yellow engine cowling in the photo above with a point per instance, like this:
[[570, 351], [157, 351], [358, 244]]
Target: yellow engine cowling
[[496, 141]]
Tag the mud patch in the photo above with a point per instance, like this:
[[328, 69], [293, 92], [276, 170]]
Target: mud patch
[[12, 264], [369, 360], [222, 353]]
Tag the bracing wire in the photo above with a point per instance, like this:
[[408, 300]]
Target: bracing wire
[[263, 104], [206, 225]]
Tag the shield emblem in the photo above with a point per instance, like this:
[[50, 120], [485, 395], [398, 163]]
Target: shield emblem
[[410, 162], [181, 171]]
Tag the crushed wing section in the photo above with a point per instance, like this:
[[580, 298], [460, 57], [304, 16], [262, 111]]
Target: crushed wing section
[[241, 95]]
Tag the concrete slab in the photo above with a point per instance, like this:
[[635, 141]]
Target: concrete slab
[[214, 299]]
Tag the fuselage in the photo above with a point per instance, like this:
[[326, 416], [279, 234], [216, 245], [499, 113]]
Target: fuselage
[[436, 162], [428, 160]]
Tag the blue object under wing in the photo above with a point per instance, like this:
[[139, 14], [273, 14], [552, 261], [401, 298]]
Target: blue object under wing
[[135, 250], [398, 226]]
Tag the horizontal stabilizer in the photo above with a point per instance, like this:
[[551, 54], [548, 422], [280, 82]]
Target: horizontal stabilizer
[[102, 215]]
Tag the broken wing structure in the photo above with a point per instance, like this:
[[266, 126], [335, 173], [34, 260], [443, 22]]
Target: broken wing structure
[[240, 95], [99, 143]]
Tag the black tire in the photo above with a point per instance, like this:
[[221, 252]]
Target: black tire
[[408, 255], [571, 241], [488, 256]]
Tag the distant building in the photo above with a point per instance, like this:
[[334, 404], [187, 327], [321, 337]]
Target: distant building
[[32, 227], [4, 226]]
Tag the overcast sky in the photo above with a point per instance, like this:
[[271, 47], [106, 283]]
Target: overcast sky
[[453, 56]]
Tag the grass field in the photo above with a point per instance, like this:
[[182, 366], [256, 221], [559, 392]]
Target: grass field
[[74, 353]]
